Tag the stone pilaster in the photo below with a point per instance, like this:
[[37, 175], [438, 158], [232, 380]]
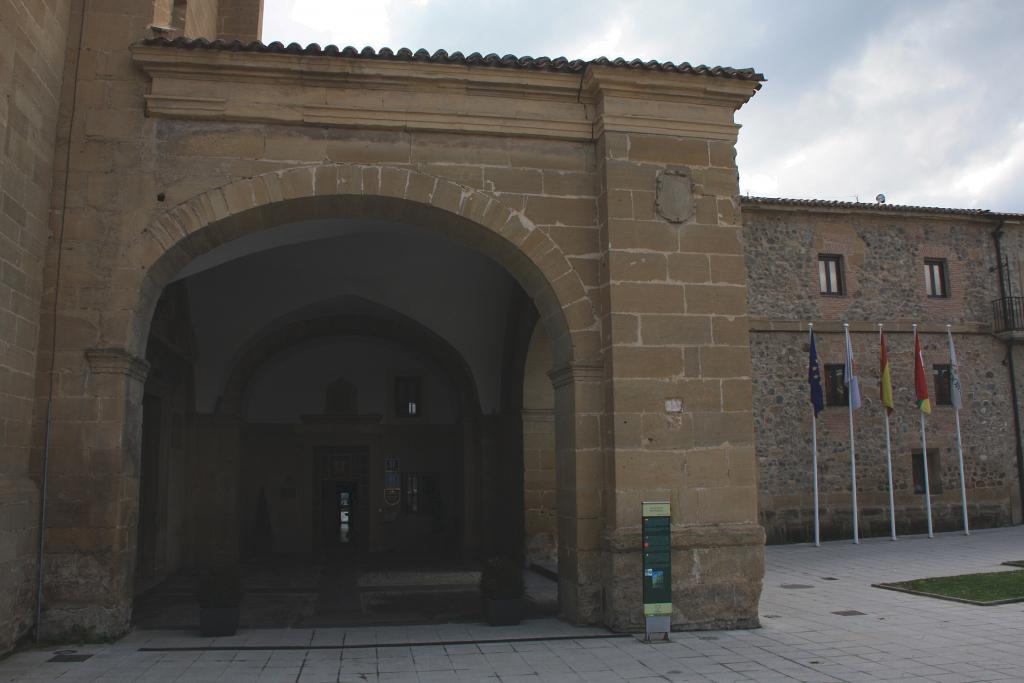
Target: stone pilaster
[[219, 441], [678, 381], [92, 498], [579, 475]]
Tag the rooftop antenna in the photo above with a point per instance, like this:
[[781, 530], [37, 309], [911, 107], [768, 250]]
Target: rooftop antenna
[[880, 198]]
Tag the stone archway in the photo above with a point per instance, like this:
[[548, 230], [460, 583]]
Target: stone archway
[[115, 372], [278, 337], [471, 217]]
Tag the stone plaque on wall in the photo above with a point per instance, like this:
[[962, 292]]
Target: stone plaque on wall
[[675, 196]]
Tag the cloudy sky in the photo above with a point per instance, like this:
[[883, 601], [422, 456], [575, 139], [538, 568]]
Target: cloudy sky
[[922, 100]]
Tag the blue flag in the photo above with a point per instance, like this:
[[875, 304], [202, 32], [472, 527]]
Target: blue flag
[[814, 380]]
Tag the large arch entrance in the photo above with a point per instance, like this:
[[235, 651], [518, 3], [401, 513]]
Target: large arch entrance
[[355, 356], [606, 191]]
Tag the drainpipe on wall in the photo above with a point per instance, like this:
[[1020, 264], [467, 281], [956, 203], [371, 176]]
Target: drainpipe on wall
[[997, 237], [47, 434]]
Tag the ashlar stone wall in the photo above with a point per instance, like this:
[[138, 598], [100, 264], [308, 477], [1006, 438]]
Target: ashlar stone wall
[[609, 193], [33, 37], [883, 253]]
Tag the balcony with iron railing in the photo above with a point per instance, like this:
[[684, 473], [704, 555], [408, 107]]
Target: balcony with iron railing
[[1008, 317]]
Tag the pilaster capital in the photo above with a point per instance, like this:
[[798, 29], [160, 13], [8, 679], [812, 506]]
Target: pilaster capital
[[577, 371], [116, 361], [655, 103]]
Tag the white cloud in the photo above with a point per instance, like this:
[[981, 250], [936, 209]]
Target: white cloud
[[996, 172], [609, 44], [348, 22], [917, 99], [759, 184]]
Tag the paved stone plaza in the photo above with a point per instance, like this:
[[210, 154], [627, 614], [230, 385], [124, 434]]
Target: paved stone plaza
[[804, 637]]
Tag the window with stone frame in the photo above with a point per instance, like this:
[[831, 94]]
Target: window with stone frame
[[941, 379], [934, 471], [936, 280], [835, 387], [831, 280]]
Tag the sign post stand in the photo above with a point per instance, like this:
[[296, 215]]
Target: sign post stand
[[657, 582]]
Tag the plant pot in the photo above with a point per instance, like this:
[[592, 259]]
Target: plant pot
[[503, 612], [218, 621]]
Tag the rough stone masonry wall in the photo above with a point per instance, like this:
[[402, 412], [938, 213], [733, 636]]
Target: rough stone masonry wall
[[32, 41], [883, 255]]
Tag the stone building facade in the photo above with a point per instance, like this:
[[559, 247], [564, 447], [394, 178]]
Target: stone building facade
[[883, 252], [480, 305]]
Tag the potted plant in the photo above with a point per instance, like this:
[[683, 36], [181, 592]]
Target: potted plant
[[501, 586], [220, 593]]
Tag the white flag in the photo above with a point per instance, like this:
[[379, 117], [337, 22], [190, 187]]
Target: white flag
[[954, 376], [849, 378]]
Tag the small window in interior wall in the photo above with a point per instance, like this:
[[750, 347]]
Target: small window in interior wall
[[830, 274], [936, 284], [407, 397], [835, 387], [942, 385], [934, 474]]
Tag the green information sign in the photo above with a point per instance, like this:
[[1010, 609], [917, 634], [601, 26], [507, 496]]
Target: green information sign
[[657, 549]]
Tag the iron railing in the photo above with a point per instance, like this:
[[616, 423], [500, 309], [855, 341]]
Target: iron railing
[[1008, 314]]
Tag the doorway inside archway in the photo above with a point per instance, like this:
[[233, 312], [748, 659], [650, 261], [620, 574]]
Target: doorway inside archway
[[344, 410]]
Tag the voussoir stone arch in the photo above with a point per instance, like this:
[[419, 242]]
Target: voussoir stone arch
[[473, 218]]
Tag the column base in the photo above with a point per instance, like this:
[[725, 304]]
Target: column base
[[19, 538], [87, 624], [717, 573], [580, 592]]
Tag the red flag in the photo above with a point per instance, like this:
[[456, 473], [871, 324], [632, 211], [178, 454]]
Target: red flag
[[920, 378]]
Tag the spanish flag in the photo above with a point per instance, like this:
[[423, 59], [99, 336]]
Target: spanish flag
[[920, 378], [885, 381]]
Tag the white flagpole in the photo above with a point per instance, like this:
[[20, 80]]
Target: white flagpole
[[924, 462], [927, 487], [853, 453], [963, 489], [959, 446], [814, 460], [888, 458]]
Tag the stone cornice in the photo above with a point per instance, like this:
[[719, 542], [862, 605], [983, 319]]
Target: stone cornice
[[765, 324], [889, 211], [538, 415], [647, 102], [117, 362], [576, 372], [452, 98]]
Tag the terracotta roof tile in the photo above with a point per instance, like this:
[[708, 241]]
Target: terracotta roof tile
[[557, 64], [872, 206]]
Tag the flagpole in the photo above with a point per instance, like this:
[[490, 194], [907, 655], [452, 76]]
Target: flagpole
[[814, 460], [959, 445], [924, 462], [853, 453], [888, 459]]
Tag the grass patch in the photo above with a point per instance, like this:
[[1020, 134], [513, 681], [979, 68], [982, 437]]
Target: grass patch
[[991, 588]]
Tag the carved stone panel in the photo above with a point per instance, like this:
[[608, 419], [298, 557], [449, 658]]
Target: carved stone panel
[[675, 196]]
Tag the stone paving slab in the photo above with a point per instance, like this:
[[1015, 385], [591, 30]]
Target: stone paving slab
[[837, 628]]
